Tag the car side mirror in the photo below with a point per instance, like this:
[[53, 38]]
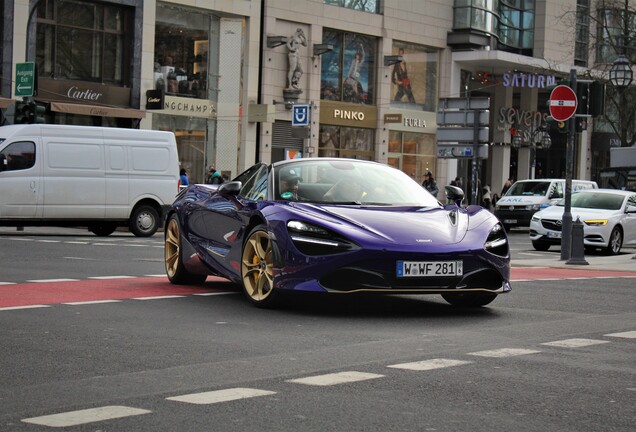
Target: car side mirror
[[630, 209], [455, 194], [230, 188]]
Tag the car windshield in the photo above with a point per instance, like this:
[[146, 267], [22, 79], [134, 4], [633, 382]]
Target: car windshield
[[529, 188], [596, 200], [344, 181]]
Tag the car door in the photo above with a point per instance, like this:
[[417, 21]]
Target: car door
[[20, 180], [629, 223]]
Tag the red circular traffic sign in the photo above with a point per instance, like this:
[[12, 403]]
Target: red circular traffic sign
[[563, 103]]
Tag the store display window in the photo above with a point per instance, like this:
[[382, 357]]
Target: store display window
[[346, 142], [414, 80], [413, 153], [181, 52], [347, 71], [84, 40]]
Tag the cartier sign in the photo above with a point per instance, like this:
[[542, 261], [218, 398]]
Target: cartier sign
[[83, 92]]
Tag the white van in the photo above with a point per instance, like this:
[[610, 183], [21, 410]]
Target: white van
[[96, 177], [526, 197]]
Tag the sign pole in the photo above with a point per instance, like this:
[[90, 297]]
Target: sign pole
[[566, 237]]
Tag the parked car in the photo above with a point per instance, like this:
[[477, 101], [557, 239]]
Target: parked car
[[608, 217], [335, 226], [525, 197]]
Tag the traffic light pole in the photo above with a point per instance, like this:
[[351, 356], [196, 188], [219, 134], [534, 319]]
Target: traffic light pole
[[566, 233]]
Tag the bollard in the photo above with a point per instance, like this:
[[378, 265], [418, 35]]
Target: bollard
[[577, 252]]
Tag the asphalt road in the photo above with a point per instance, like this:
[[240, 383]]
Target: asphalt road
[[552, 355]]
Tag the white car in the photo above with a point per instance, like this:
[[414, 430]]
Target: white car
[[608, 217]]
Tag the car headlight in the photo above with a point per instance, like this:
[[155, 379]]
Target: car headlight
[[314, 240], [533, 207], [536, 218], [497, 242], [595, 222]]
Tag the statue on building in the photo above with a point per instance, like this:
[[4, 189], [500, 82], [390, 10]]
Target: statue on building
[[295, 71]]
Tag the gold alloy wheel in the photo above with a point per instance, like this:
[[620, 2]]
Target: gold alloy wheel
[[256, 267], [172, 248]]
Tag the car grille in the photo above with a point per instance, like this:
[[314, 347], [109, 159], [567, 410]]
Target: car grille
[[552, 225]]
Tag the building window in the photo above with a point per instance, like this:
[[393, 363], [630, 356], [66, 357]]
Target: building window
[[411, 152], [613, 28], [182, 60], [83, 40], [347, 71], [582, 43], [366, 6], [414, 81], [346, 142]]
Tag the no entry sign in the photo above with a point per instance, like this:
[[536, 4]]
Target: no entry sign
[[563, 103]]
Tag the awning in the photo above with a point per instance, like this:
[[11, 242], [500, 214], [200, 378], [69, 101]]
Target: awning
[[95, 110], [6, 103]]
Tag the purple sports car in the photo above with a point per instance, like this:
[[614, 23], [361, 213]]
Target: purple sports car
[[337, 226]]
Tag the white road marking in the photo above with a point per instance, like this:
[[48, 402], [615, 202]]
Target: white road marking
[[335, 378], [91, 302], [76, 242], [628, 335], [49, 241], [158, 297], [7, 283], [217, 396], [157, 275], [23, 307], [112, 277], [74, 418], [504, 352], [574, 343], [52, 280], [425, 365]]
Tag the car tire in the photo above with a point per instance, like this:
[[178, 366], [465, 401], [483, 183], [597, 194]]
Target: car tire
[[615, 242], [144, 221], [257, 268], [176, 271], [540, 246], [469, 300], [103, 229]]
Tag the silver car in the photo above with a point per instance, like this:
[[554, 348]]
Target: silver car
[[608, 217]]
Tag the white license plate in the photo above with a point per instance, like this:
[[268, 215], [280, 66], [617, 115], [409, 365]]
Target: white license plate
[[429, 268], [510, 221], [554, 234]]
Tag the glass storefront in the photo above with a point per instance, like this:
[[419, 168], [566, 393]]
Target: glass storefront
[[413, 153], [346, 142]]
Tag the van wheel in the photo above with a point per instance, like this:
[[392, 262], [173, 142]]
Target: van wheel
[[144, 221], [103, 229]]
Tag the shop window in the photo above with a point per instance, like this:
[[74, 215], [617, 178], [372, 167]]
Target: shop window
[[413, 153], [366, 6], [347, 142], [83, 40], [182, 52], [414, 80], [347, 71]]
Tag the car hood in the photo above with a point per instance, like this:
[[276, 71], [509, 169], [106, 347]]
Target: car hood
[[556, 212], [416, 226]]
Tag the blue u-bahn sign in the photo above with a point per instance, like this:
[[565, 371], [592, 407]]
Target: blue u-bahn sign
[[300, 115]]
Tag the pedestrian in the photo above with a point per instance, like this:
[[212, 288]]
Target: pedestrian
[[457, 182], [486, 198], [183, 176], [430, 184], [506, 186], [214, 177]]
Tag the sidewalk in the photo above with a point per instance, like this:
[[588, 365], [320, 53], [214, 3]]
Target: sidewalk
[[626, 261]]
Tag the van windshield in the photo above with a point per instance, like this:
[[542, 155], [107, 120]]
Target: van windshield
[[529, 188]]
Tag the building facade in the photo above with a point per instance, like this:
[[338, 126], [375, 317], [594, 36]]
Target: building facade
[[225, 77]]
